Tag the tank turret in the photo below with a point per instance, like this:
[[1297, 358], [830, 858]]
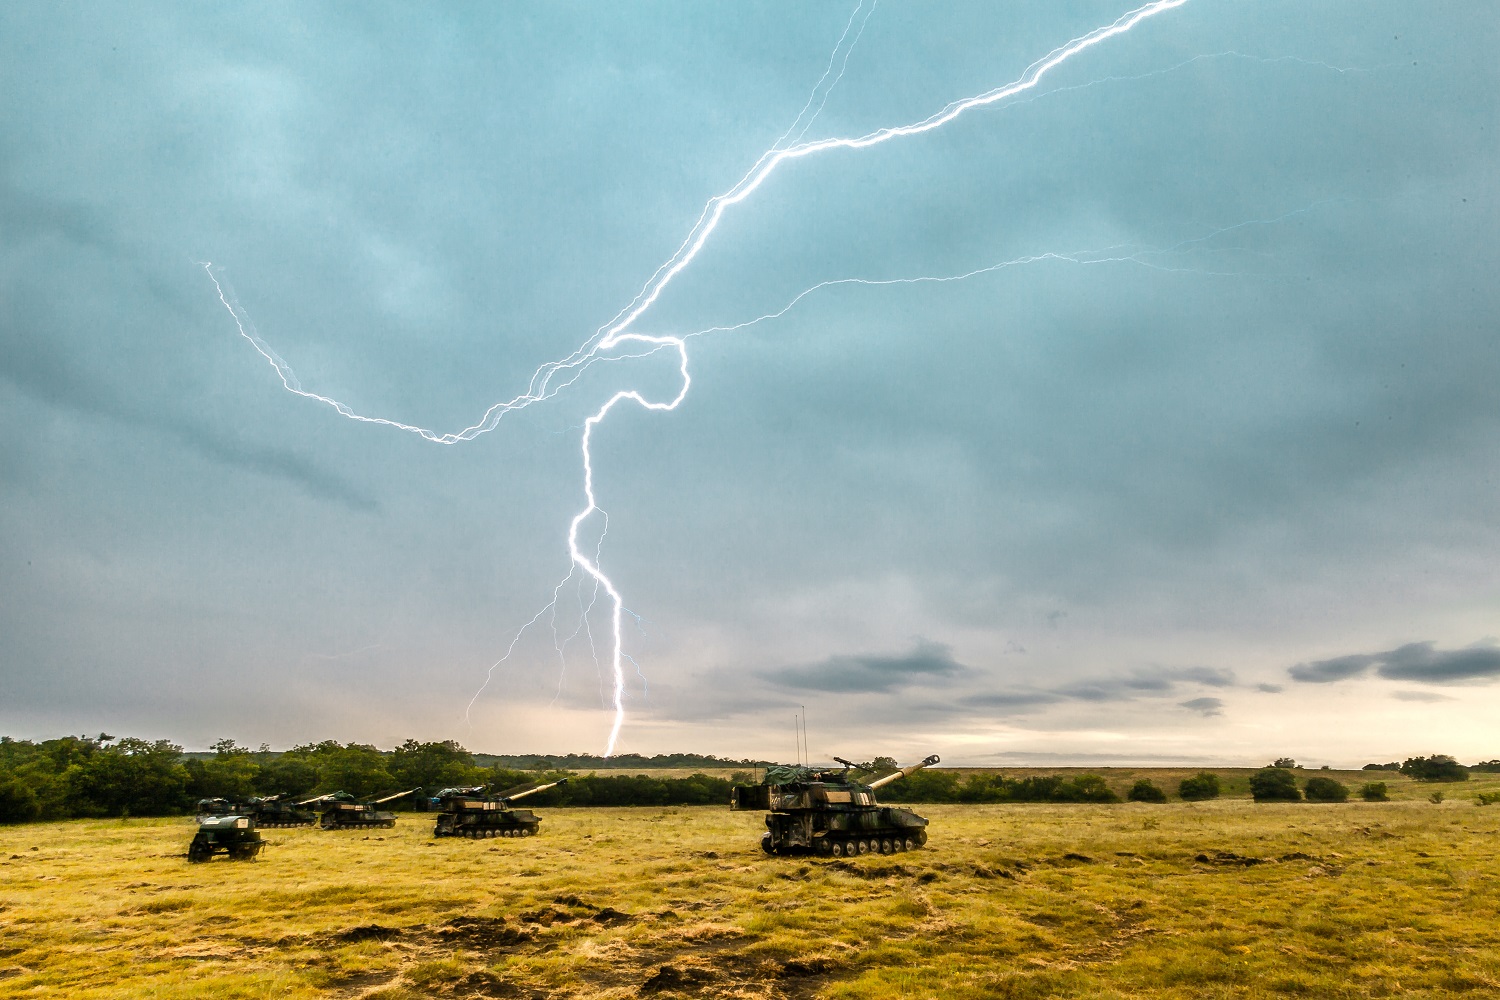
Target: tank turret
[[470, 812], [830, 813]]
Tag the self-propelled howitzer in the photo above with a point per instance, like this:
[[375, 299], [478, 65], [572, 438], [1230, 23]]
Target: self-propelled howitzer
[[342, 811], [829, 813], [469, 812]]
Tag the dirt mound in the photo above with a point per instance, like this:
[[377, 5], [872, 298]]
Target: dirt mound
[[800, 967], [367, 932], [670, 977], [610, 915], [483, 932], [1229, 858], [485, 984]]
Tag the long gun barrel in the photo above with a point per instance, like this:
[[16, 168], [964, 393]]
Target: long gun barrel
[[316, 798], [898, 775], [388, 798], [533, 791]]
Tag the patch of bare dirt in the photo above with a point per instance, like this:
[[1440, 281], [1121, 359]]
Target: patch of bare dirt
[[1229, 858], [483, 932]]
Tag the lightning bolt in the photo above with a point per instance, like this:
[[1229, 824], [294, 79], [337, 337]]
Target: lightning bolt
[[614, 341]]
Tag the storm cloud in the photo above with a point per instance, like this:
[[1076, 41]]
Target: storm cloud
[[1219, 393], [927, 664], [1421, 662]]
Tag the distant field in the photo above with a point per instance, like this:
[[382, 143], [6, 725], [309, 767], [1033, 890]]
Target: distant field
[[1219, 899], [1236, 780]]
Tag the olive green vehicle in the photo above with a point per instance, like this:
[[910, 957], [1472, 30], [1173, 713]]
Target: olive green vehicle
[[233, 835], [267, 811], [342, 811], [469, 812], [826, 812]]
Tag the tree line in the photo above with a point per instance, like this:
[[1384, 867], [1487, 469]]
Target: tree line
[[82, 777], [101, 776]]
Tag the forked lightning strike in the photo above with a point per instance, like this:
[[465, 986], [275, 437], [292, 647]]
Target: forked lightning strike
[[613, 341]]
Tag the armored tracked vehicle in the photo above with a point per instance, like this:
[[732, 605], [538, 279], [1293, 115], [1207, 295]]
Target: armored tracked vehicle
[[469, 812], [275, 811], [342, 811], [232, 835], [267, 811], [826, 812]]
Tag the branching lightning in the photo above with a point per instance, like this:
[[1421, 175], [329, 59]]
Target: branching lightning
[[614, 340]]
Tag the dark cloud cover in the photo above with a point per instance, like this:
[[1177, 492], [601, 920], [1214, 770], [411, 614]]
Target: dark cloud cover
[[927, 664], [1204, 706], [1421, 662], [1265, 421]]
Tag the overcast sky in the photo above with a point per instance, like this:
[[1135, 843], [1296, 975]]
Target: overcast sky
[[1208, 473]]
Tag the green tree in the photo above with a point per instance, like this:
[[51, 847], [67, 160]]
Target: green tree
[[1321, 789], [285, 774], [358, 769], [132, 777], [1201, 786], [1374, 791], [230, 774], [18, 803], [433, 765], [1274, 784], [1438, 767], [1145, 790]]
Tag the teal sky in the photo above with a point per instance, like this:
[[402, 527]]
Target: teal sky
[[1207, 472]]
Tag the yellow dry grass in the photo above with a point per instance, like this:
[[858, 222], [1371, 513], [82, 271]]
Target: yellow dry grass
[[1218, 899]]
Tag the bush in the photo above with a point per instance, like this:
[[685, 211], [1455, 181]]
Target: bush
[[1374, 791], [1487, 798], [1274, 784], [18, 802], [1203, 785], [1435, 798], [1145, 790], [1438, 767], [1322, 789], [1488, 766], [1392, 766], [1286, 762]]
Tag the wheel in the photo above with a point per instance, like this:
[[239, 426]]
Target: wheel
[[921, 838], [766, 844], [528, 832], [838, 849], [823, 847], [907, 845], [885, 846], [862, 847]]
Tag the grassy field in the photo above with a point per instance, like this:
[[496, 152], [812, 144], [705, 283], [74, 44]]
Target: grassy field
[[1217, 899]]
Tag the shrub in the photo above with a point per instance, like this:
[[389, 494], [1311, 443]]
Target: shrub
[[1392, 766], [1145, 790], [1274, 784], [1438, 767], [1487, 798], [1284, 762], [1435, 798], [1374, 791], [17, 801], [1203, 785], [1322, 789]]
